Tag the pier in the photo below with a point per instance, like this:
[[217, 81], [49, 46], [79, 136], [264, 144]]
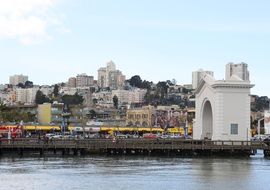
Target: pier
[[148, 147]]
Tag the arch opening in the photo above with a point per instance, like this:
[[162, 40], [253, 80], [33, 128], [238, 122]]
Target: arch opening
[[207, 121]]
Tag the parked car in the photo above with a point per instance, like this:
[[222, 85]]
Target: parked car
[[259, 138], [150, 136]]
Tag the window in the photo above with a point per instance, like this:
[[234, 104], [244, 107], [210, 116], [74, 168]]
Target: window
[[234, 129]]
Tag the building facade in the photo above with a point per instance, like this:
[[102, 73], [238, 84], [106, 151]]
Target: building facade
[[116, 80], [26, 96], [102, 77], [130, 96], [84, 80], [110, 77], [72, 82], [142, 117], [240, 70], [222, 109], [197, 76], [16, 79]]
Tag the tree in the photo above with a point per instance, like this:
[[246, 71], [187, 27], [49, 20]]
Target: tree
[[41, 98], [92, 114], [75, 99], [169, 83], [95, 101], [56, 90], [186, 91], [262, 103], [21, 85], [115, 101], [162, 88], [28, 84], [135, 81], [8, 114], [92, 89], [146, 85], [3, 111]]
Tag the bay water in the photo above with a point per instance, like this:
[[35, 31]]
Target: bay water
[[133, 173]]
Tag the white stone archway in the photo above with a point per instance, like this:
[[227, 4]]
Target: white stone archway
[[222, 109], [207, 120]]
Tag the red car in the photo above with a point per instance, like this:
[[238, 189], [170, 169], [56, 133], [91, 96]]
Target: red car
[[150, 136]]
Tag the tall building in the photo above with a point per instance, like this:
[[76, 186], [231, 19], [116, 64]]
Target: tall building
[[16, 79], [84, 80], [26, 95], [102, 77], [197, 76], [240, 70], [115, 79], [110, 77], [111, 66], [72, 82]]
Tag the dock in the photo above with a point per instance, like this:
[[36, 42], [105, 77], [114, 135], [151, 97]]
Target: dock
[[148, 147]]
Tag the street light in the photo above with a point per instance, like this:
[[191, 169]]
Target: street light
[[259, 126]]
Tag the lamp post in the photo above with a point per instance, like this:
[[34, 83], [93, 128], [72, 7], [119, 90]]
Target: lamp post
[[82, 122], [259, 126], [65, 116]]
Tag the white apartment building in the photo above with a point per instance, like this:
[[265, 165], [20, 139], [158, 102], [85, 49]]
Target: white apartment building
[[46, 90], [197, 76], [102, 77], [122, 95], [68, 90], [137, 95], [84, 80], [26, 96], [103, 95], [111, 66], [130, 96], [115, 79], [16, 79], [110, 77], [239, 70]]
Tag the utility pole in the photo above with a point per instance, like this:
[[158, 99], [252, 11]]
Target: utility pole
[[259, 126]]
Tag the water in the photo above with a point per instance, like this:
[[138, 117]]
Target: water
[[133, 173]]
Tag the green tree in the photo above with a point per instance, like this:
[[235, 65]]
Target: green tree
[[28, 84], [75, 99], [95, 101], [146, 85], [162, 88], [56, 91], [135, 81], [115, 101], [92, 114], [41, 98], [21, 85]]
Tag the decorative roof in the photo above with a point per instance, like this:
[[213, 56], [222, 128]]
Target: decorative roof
[[234, 82]]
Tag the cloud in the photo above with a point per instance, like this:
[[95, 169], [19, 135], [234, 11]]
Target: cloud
[[28, 20]]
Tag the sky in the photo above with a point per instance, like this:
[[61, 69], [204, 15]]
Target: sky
[[52, 40]]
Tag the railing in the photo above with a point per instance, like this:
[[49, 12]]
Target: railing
[[174, 144]]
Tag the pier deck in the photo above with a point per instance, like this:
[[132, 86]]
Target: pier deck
[[135, 146]]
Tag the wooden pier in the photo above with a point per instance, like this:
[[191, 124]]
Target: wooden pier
[[174, 147]]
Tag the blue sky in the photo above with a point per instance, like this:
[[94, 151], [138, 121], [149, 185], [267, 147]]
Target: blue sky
[[52, 40]]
